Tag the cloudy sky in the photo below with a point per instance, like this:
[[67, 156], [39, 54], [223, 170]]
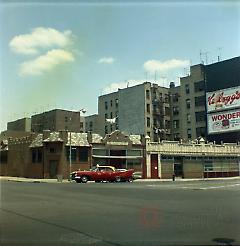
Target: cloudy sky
[[64, 55]]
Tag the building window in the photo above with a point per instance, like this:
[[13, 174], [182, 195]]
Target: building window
[[176, 124], [188, 103], [148, 122], [111, 115], [200, 116], [83, 154], [200, 101], [111, 103], [166, 99], [73, 153], [167, 111], [187, 89], [175, 110], [116, 103], [106, 106], [199, 86], [167, 124], [175, 97], [188, 118], [52, 150], [66, 119], [147, 94], [148, 108], [106, 116], [200, 132], [36, 155], [189, 133], [106, 130]]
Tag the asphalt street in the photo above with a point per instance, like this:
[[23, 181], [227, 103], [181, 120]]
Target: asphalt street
[[139, 213]]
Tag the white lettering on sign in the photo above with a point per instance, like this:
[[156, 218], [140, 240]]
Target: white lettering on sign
[[223, 99]]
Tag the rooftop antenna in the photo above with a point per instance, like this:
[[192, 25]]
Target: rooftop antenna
[[201, 59], [219, 54], [155, 76], [206, 55], [163, 78]]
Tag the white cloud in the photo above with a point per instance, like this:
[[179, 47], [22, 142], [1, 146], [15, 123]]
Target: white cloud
[[45, 62], [156, 65], [107, 60], [113, 87], [30, 44]]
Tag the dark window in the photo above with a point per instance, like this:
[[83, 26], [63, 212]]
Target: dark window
[[167, 111], [36, 155], [116, 103], [187, 89], [199, 86], [52, 150], [111, 115], [66, 119], [106, 116], [147, 94], [148, 122], [200, 101], [3, 157], [106, 130], [167, 124], [73, 153], [148, 108], [200, 116], [176, 110], [200, 131], [111, 103], [106, 105], [166, 99], [188, 103], [83, 154], [189, 133], [175, 97]]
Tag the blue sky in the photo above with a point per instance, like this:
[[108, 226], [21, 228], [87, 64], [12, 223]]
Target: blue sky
[[66, 55]]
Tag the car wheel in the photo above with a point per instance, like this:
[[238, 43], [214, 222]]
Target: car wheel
[[84, 179], [118, 179], [97, 181], [130, 180], [78, 180]]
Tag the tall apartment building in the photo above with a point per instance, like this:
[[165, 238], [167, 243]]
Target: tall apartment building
[[58, 119], [175, 113], [142, 109], [188, 105], [188, 101]]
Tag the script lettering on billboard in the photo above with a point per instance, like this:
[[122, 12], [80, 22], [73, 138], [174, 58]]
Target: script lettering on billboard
[[223, 99], [224, 121]]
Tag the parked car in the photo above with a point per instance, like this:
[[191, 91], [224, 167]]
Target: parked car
[[103, 173]]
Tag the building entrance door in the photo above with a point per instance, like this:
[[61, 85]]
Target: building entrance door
[[154, 166], [53, 168], [178, 169]]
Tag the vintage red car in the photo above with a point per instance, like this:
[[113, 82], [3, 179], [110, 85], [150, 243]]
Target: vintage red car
[[103, 173]]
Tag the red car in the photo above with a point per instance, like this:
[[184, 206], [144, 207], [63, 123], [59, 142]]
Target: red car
[[103, 173]]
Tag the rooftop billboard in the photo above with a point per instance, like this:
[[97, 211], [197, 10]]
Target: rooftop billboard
[[225, 121], [223, 99]]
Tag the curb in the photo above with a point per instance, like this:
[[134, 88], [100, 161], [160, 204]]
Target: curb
[[54, 181]]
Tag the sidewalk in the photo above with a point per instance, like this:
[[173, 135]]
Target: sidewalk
[[31, 180]]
